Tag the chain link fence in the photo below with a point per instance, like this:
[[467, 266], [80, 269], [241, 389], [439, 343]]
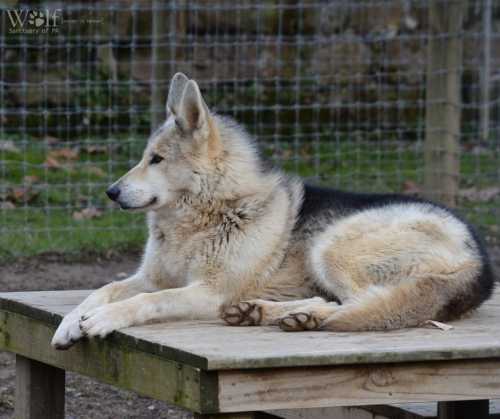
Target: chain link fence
[[370, 95]]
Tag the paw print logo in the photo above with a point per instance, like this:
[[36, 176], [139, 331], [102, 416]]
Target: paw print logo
[[36, 18]]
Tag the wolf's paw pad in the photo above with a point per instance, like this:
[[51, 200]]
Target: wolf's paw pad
[[243, 314], [297, 322]]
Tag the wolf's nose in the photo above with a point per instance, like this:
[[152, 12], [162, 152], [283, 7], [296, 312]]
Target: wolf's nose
[[113, 193]]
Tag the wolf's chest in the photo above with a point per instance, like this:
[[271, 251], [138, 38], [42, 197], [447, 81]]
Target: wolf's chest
[[178, 254]]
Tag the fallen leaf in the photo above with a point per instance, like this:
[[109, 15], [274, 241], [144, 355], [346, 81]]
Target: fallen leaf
[[9, 146], [480, 195], [97, 171], [87, 214], [438, 325], [410, 188], [64, 154], [22, 195], [52, 163], [95, 149]]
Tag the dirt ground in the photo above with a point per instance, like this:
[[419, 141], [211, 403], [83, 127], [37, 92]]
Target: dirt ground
[[86, 398]]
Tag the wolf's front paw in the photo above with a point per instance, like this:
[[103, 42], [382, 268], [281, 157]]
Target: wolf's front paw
[[297, 322], [68, 332], [103, 320], [245, 313]]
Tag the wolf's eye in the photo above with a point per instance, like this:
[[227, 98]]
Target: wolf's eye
[[155, 159]]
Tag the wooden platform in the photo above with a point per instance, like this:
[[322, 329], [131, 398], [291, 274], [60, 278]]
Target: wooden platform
[[210, 368]]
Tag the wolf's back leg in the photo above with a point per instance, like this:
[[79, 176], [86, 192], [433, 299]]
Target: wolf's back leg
[[263, 312], [392, 275], [407, 304]]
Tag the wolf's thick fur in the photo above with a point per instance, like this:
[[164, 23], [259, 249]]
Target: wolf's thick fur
[[229, 237]]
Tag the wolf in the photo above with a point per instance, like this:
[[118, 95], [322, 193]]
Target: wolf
[[231, 237]]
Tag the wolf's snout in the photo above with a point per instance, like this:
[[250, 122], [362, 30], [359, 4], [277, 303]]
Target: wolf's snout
[[113, 193]]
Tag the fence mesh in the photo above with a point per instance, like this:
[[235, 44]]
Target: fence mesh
[[333, 90]]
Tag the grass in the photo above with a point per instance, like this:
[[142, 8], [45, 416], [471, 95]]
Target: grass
[[38, 231], [47, 224]]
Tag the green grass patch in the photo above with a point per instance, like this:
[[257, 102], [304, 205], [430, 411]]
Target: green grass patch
[[46, 223], [32, 231]]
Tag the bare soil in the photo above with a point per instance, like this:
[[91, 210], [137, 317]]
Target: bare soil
[[86, 398]]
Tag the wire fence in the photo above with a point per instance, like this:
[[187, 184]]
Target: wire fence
[[371, 95]]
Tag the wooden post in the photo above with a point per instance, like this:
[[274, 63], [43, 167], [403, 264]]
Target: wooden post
[[442, 148], [477, 409], [159, 57], [486, 72], [39, 390]]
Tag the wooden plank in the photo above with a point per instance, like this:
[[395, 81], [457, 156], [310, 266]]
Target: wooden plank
[[39, 390], [289, 388], [108, 362], [443, 108], [199, 343], [464, 409]]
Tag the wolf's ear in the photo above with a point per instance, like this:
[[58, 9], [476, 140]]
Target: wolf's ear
[[177, 85], [193, 112]]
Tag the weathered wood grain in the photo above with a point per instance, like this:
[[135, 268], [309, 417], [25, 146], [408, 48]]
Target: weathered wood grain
[[214, 346], [288, 388], [120, 365]]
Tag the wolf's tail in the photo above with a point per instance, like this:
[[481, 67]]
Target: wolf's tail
[[410, 303]]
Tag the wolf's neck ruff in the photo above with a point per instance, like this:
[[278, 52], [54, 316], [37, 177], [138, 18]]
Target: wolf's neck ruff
[[208, 209]]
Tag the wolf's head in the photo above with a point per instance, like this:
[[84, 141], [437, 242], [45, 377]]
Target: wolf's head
[[179, 156]]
